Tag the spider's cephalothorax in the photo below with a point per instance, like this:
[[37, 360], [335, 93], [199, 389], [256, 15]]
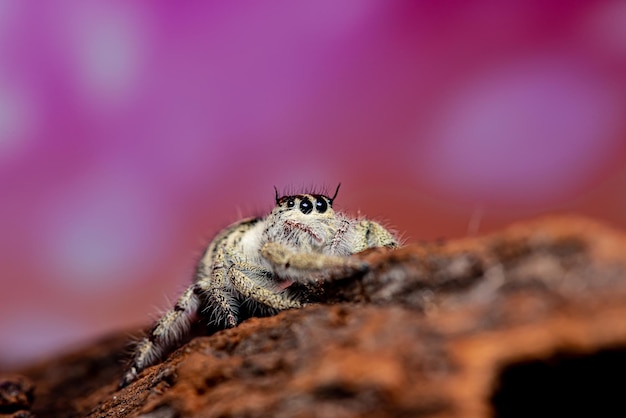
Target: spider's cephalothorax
[[253, 264]]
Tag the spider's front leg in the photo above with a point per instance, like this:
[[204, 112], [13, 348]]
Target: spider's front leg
[[304, 266], [374, 235], [260, 285]]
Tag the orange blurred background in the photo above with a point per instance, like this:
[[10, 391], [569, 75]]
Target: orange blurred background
[[131, 132]]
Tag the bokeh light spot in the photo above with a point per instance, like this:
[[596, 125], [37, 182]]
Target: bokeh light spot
[[523, 134], [109, 44], [606, 28], [17, 120], [103, 231]]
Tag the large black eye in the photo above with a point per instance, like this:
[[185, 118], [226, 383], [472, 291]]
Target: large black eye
[[321, 205], [290, 203], [306, 206]]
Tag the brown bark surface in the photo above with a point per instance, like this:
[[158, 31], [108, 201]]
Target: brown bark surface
[[529, 321]]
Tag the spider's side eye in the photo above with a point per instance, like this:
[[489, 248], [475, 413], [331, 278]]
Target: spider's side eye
[[321, 205], [306, 206], [290, 203]]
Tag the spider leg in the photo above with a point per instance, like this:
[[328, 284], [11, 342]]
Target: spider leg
[[246, 277], [221, 304], [375, 235], [295, 264], [166, 333], [210, 290], [221, 301]]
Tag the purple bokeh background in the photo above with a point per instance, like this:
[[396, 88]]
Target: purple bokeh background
[[130, 132]]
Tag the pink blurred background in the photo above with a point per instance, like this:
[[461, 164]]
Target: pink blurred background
[[131, 132]]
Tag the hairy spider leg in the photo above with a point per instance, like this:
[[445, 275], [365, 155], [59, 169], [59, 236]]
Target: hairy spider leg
[[376, 235], [167, 332], [211, 287], [302, 265], [240, 275]]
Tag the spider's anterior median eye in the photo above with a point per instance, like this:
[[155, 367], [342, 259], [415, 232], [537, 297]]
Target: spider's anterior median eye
[[321, 205], [306, 206]]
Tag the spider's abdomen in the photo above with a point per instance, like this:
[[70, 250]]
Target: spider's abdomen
[[216, 256]]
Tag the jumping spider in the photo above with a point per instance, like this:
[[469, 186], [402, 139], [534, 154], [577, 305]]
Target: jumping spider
[[249, 268]]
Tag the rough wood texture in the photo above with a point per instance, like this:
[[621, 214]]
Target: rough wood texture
[[530, 321]]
